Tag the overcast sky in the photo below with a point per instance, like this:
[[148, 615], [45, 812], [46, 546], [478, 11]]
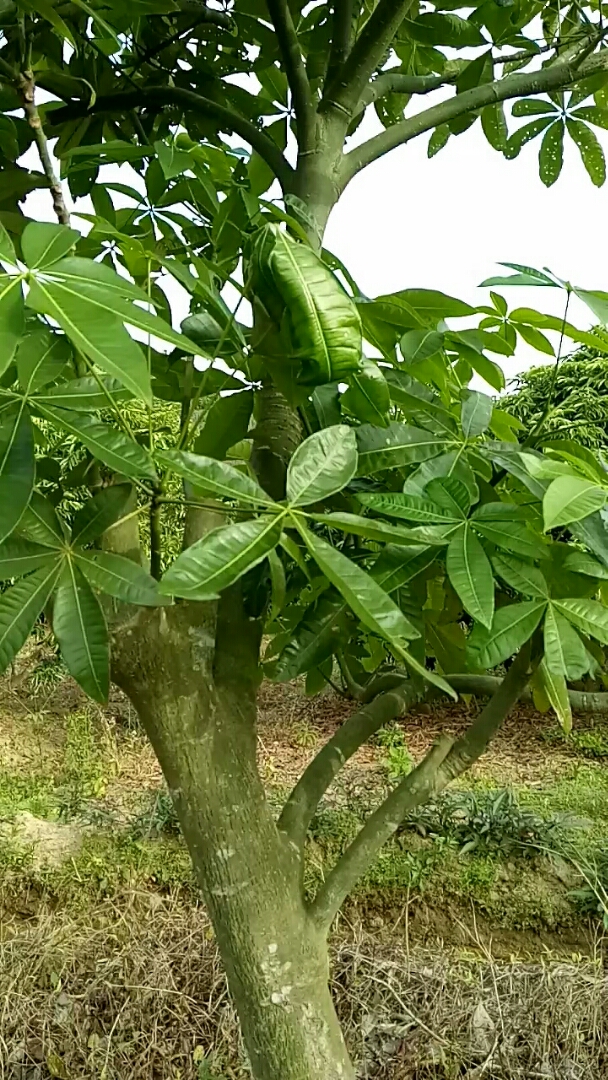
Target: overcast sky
[[445, 223]]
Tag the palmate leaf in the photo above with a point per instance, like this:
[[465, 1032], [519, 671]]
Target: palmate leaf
[[17, 467], [84, 394], [7, 251], [80, 628], [314, 639], [470, 573], [210, 565], [397, 566], [119, 577], [226, 423], [587, 615], [20, 606], [519, 575], [322, 465]]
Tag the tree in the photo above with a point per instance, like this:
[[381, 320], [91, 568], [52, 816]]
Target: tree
[[574, 397], [377, 518]]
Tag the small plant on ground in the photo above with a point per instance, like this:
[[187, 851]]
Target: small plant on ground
[[84, 772], [396, 759]]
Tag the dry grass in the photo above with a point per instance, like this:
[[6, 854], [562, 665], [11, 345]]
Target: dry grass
[[135, 990]]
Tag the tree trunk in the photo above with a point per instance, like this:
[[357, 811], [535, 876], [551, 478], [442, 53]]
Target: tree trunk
[[191, 672]]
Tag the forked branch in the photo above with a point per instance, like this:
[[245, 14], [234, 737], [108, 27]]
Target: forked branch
[[560, 74], [444, 761], [314, 782]]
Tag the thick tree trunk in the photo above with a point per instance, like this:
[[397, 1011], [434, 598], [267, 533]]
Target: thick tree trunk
[[191, 673]]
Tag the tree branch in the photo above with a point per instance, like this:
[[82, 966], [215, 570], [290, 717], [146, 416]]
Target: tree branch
[[341, 37], [314, 782], [397, 83], [486, 685], [27, 92], [444, 761], [521, 84], [295, 70], [366, 56], [161, 96]]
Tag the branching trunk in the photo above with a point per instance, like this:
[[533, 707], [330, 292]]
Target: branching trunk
[[191, 673]]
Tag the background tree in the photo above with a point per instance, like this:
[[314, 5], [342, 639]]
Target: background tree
[[576, 395], [374, 517]]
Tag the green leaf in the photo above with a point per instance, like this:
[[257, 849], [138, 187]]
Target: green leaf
[[569, 498], [173, 161], [47, 11], [476, 413], [595, 300], [17, 467], [322, 465], [119, 577], [534, 338], [20, 606], [419, 345], [97, 332], [43, 243], [314, 639], [532, 107], [470, 573], [514, 146], [321, 320], [369, 601], [438, 140], [18, 557], [226, 423], [487, 369], [108, 31], [451, 465], [514, 536], [590, 150], [587, 615], [396, 445], [368, 396], [592, 114], [84, 394], [526, 275], [556, 691], [397, 566], [565, 653], [80, 628], [362, 593], [220, 558], [7, 251], [108, 444], [370, 528], [551, 155], [512, 626], [451, 494], [581, 563], [12, 318], [99, 512], [278, 584], [213, 476], [435, 28], [526, 579], [41, 523], [41, 358], [83, 274], [408, 508], [494, 125]]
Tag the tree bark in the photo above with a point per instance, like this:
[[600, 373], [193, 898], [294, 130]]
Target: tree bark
[[191, 672]]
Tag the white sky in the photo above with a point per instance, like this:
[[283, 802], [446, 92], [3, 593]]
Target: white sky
[[445, 223]]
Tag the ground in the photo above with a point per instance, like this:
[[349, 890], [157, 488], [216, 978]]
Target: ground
[[473, 947]]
